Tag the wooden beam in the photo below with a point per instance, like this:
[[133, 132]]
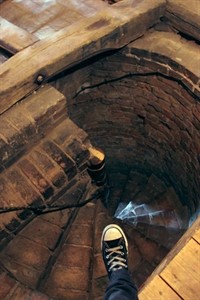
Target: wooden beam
[[13, 38], [110, 29]]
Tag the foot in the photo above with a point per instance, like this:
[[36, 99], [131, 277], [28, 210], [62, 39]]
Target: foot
[[114, 248]]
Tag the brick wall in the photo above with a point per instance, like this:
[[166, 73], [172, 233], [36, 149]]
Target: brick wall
[[146, 115]]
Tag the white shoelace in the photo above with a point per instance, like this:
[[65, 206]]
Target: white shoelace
[[116, 262]]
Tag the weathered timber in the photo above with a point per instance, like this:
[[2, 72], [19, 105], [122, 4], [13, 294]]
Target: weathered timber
[[158, 289], [172, 254], [183, 272], [110, 29], [184, 16], [13, 38]]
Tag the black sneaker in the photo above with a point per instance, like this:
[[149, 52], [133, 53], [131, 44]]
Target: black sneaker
[[114, 248]]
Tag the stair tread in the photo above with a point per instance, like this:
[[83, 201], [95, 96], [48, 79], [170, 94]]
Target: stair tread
[[68, 258]]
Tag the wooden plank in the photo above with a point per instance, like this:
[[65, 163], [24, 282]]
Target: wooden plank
[[157, 289], [183, 272], [72, 45], [181, 243], [13, 38], [184, 16], [196, 236]]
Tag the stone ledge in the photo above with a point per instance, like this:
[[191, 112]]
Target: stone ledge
[[12, 290], [42, 175], [28, 121]]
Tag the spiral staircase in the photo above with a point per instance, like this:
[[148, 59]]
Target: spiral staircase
[[124, 91], [58, 254]]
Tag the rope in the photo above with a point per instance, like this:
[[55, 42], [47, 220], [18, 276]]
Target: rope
[[52, 208]]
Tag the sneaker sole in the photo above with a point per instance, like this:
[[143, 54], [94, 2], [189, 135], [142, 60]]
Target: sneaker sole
[[120, 230]]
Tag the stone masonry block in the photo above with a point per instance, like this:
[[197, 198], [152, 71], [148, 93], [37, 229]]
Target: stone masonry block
[[6, 152], [37, 179], [65, 131], [61, 158], [86, 214], [80, 235], [11, 135], [22, 187], [9, 195], [7, 284], [43, 104], [25, 274], [67, 293], [59, 218], [4, 237], [44, 233], [52, 171], [25, 126], [77, 151], [20, 293], [23, 293], [13, 225], [24, 251], [99, 269], [73, 278], [74, 256], [99, 286]]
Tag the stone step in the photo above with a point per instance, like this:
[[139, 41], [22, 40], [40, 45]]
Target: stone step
[[153, 189], [70, 275], [166, 237], [166, 219], [117, 181], [13, 290], [170, 201], [145, 269], [42, 175], [60, 252], [28, 121], [31, 251], [65, 252], [148, 249], [164, 210], [134, 185]]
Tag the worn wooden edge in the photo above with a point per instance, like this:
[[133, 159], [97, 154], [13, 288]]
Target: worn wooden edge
[[110, 29], [184, 16], [14, 38], [176, 249]]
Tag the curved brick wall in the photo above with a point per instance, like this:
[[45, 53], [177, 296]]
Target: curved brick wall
[[144, 120]]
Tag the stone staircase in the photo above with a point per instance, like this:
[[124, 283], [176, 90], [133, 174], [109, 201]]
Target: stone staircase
[[58, 255]]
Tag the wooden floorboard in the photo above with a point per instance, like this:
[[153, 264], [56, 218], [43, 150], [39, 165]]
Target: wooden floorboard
[[196, 236], [183, 272], [158, 290], [178, 277]]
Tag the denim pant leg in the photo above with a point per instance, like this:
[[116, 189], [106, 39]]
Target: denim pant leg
[[121, 287]]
